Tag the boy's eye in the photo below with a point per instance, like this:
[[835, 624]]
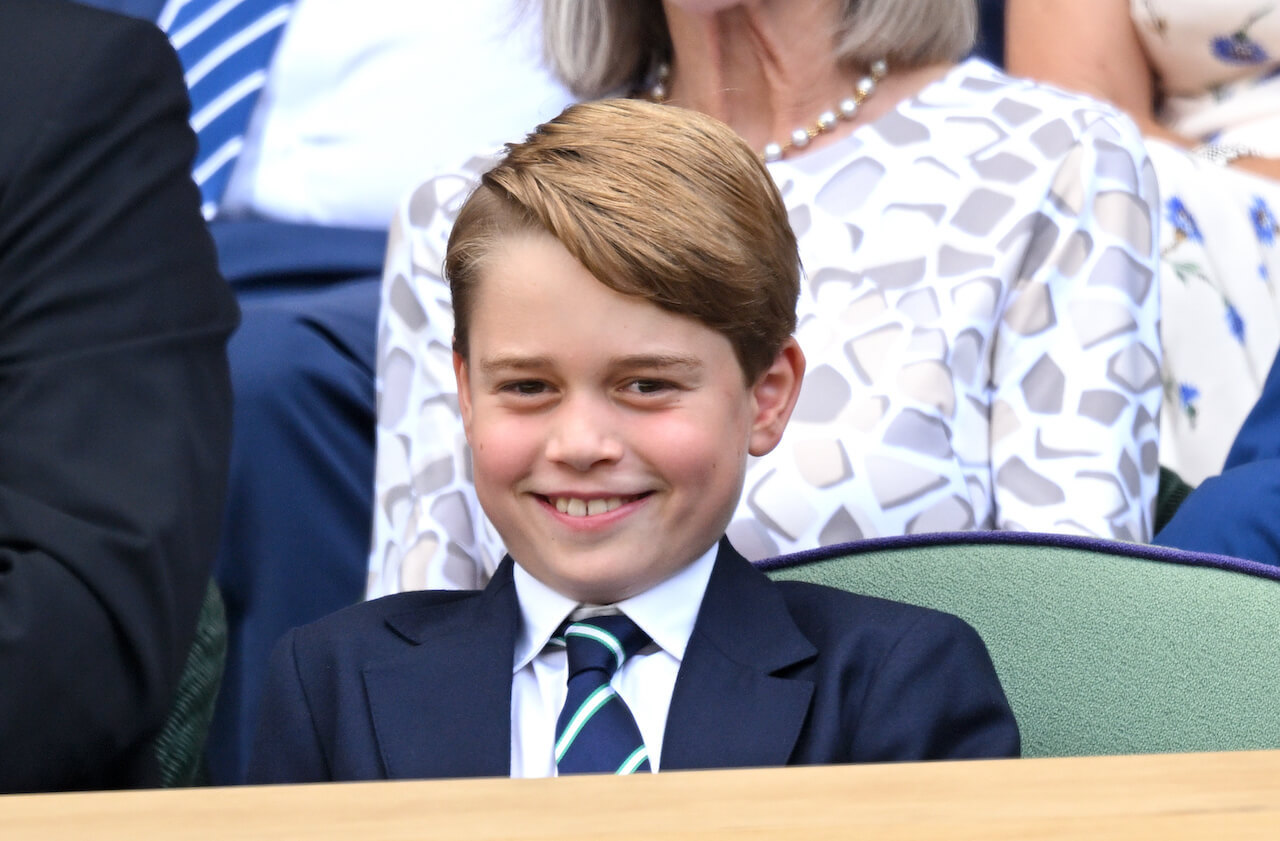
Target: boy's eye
[[649, 386], [525, 387]]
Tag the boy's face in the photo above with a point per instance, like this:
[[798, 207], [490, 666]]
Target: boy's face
[[609, 436]]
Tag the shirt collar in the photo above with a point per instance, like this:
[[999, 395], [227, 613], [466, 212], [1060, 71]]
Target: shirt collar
[[666, 611]]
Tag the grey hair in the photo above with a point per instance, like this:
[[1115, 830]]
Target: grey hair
[[600, 47]]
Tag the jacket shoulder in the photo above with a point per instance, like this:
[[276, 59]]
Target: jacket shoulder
[[379, 616]]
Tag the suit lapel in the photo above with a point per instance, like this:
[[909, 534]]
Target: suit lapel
[[443, 708], [730, 708]]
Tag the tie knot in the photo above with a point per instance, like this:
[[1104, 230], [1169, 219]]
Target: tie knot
[[601, 642]]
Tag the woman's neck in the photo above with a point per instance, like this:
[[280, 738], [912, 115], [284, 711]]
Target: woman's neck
[[766, 68]]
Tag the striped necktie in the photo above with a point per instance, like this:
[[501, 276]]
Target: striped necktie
[[596, 732], [225, 47]]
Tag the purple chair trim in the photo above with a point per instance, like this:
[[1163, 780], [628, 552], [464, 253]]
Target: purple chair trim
[[1016, 538]]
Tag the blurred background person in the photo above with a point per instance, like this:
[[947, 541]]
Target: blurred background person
[[979, 309], [1201, 82], [348, 106], [115, 404], [1237, 512]]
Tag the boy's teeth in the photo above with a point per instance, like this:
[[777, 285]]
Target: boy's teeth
[[575, 507]]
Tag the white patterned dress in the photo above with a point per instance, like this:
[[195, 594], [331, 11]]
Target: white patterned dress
[[1218, 67], [979, 313]]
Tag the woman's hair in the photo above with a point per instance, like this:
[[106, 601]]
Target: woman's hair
[[598, 47], [658, 202]]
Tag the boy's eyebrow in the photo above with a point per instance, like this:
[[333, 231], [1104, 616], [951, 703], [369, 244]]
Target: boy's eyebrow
[[512, 362], [661, 361], [653, 361]]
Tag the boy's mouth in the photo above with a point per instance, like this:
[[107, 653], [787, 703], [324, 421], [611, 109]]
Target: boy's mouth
[[574, 506]]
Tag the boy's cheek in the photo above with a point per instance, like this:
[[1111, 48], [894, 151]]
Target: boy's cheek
[[686, 451], [501, 449]]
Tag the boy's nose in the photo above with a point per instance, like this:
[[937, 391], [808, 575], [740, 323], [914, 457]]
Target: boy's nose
[[583, 434]]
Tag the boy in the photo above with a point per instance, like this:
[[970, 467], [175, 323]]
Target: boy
[[624, 287]]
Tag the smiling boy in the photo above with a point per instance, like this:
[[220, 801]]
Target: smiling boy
[[609, 437], [624, 288]]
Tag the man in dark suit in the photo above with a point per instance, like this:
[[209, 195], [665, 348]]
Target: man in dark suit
[[614, 374], [115, 401], [297, 520]]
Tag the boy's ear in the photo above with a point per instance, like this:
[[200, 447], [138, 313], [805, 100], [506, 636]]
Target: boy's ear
[[774, 395], [463, 377]]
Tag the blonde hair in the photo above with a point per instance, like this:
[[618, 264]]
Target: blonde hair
[[657, 202], [598, 47]]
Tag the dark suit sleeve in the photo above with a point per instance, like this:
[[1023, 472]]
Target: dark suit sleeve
[[114, 394], [935, 695], [287, 748]]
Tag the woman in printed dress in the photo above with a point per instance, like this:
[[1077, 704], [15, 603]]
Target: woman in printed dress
[[1202, 81], [979, 307]]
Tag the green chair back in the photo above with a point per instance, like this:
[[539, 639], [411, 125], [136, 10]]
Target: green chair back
[[180, 745], [1102, 647]]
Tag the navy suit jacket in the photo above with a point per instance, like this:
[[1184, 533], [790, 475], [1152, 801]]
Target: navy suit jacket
[[418, 685]]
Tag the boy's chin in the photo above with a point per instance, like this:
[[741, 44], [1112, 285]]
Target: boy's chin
[[596, 591], [618, 584], [606, 570]]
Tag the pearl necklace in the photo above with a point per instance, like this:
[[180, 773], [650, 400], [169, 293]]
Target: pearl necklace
[[846, 109]]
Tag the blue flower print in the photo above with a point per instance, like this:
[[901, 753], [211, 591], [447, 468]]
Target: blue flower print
[[1235, 323], [1264, 221], [1182, 220], [1238, 48], [1264, 274], [1188, 395]]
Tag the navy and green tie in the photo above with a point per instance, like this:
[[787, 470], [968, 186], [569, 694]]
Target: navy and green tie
[[596, 732]]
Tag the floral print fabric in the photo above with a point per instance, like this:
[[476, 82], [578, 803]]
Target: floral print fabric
[[1218, 70], [979, 314], [1217, 67]]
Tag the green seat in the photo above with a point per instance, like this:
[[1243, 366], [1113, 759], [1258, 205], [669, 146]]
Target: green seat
[[1102, 647], [180, 745]]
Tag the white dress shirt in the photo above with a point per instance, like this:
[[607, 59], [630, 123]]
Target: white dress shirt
[[365, 100], [666, 612]]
